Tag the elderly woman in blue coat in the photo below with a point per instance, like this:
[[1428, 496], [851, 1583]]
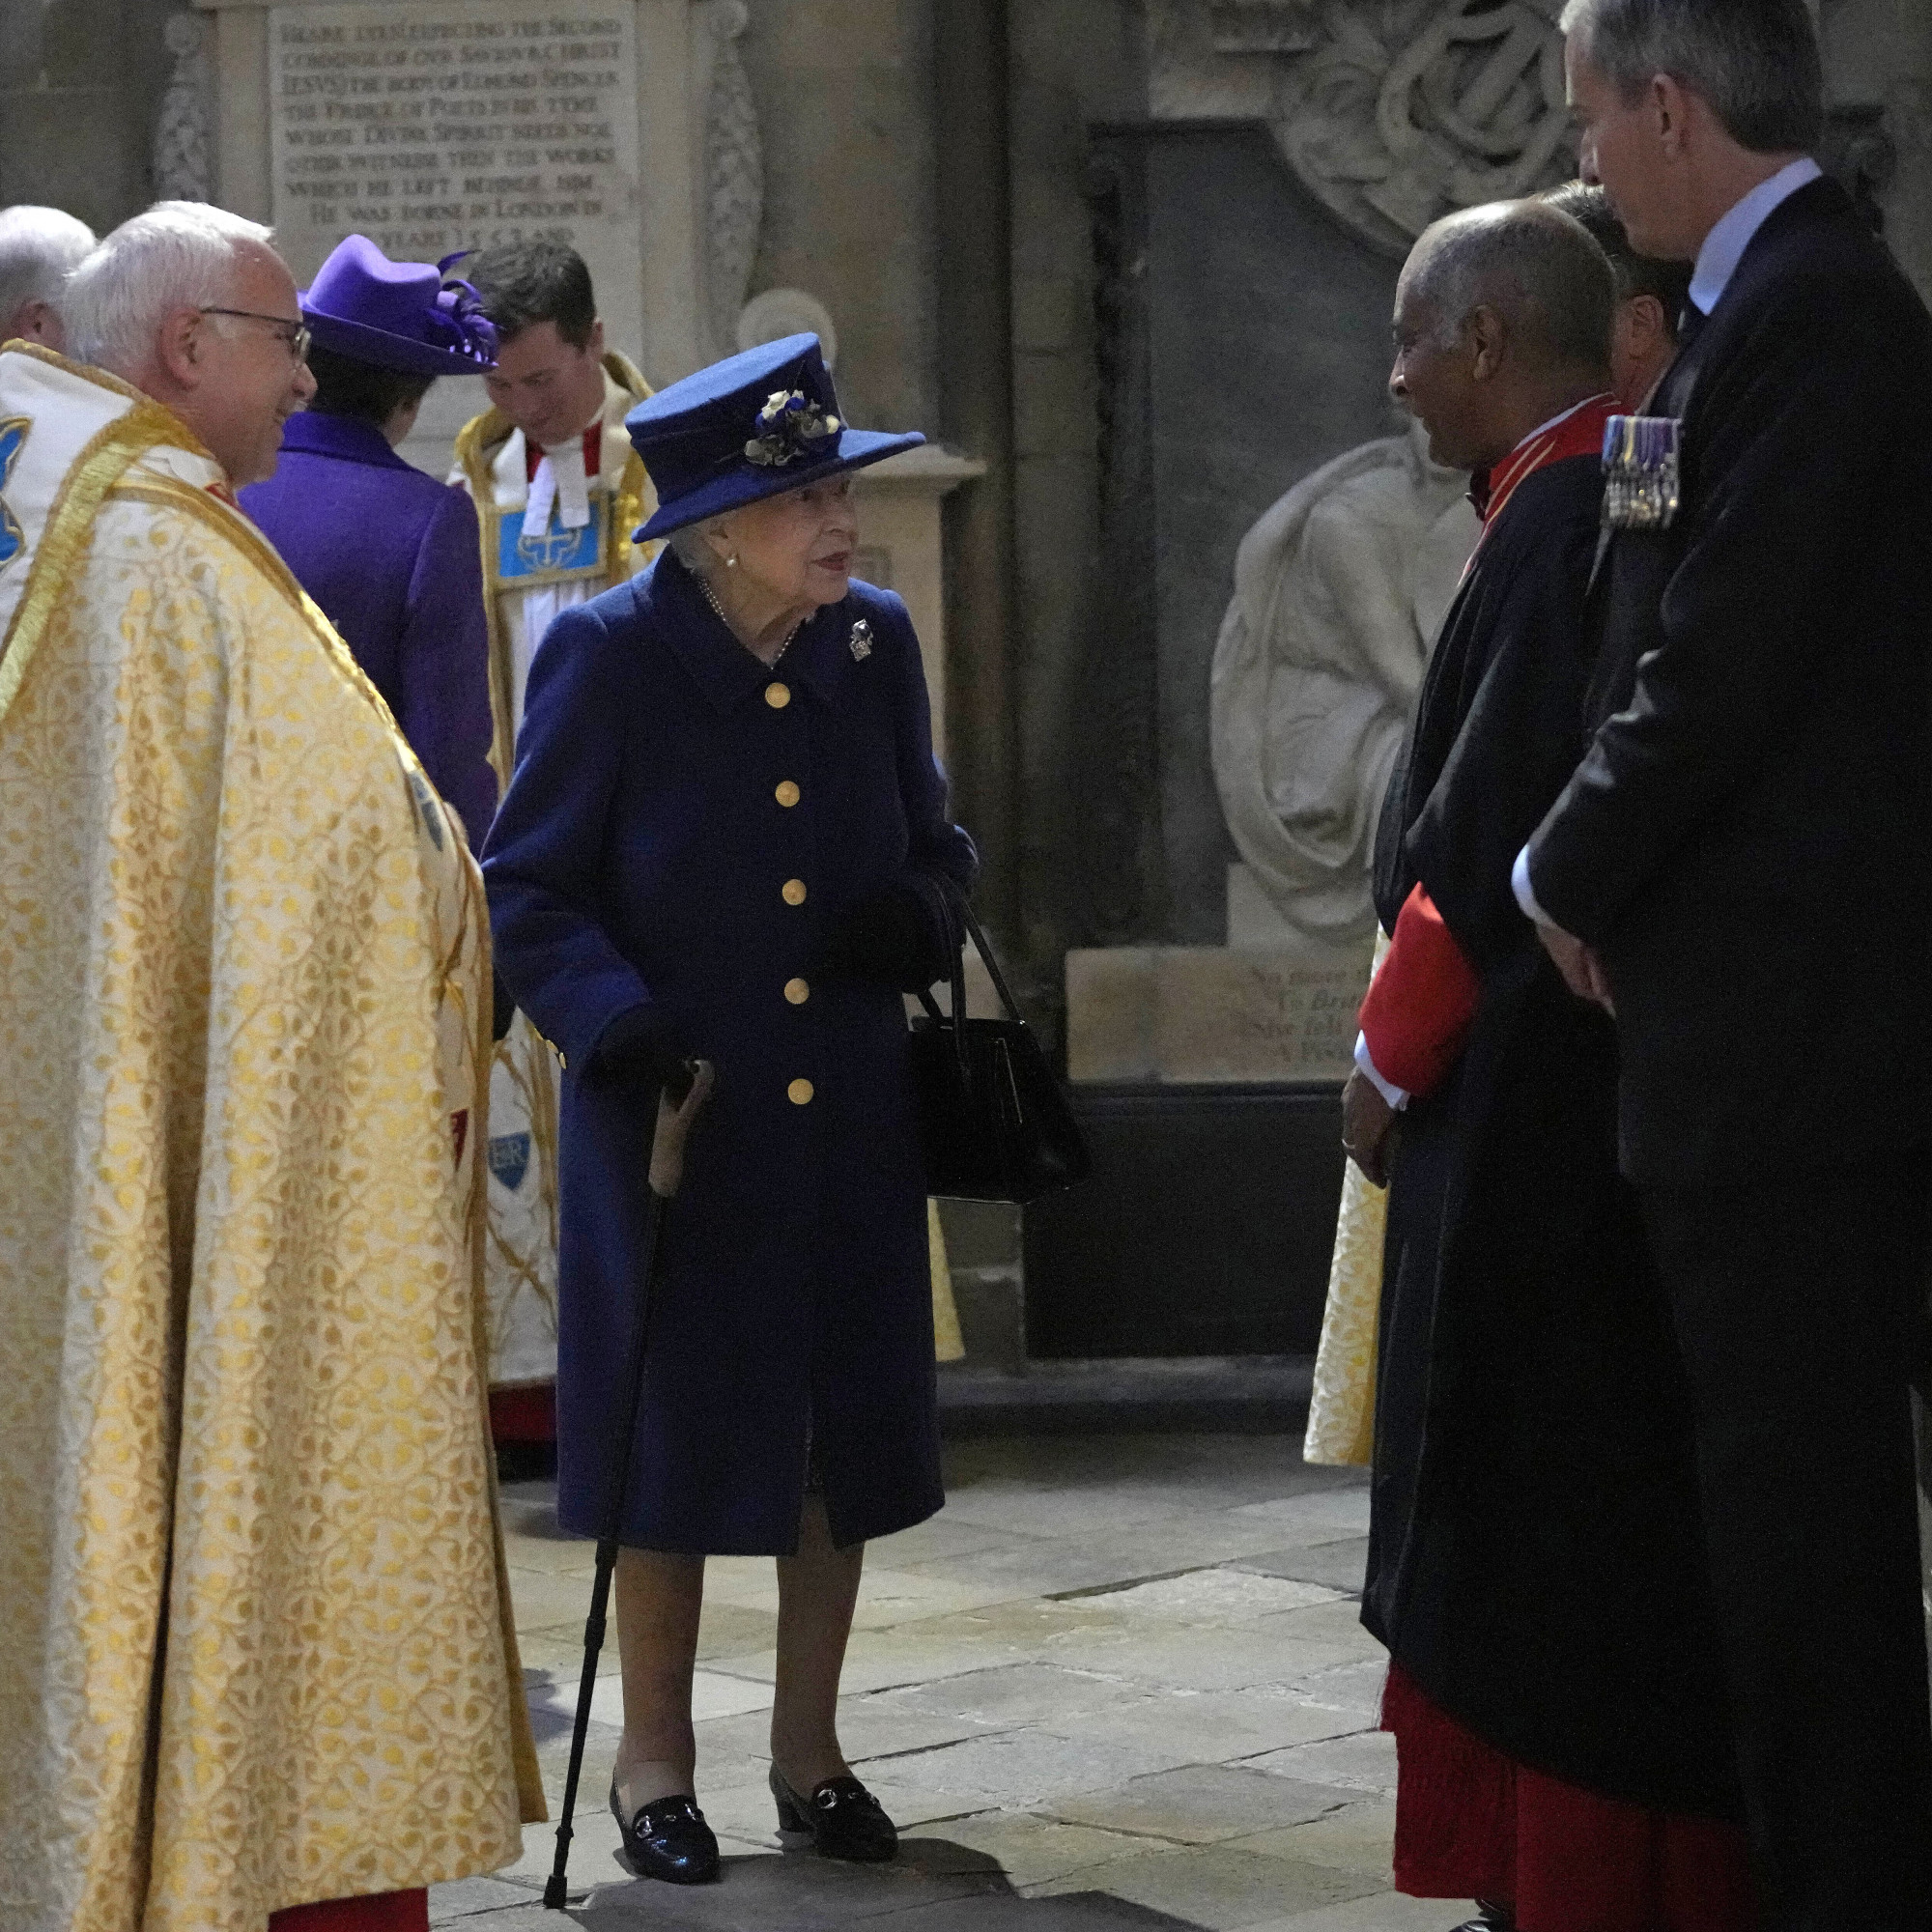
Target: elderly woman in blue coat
[[726, 838]]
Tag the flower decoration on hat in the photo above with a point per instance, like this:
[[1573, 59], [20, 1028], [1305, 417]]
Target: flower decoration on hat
[[790, 425], [460, 308], [692, 433]]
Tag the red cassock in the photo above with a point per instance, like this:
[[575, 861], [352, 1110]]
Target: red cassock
[[379, 1912], [1471, 1823]]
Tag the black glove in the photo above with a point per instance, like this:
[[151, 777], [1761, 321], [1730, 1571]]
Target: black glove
[[906, 936], [502, 1007], [640, 1049]]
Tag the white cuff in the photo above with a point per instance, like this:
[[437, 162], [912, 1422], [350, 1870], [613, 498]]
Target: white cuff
[[1525, 897], [1395, 1096]]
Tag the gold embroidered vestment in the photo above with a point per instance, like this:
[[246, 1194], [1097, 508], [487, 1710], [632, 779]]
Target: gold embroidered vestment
[[253, 1641]]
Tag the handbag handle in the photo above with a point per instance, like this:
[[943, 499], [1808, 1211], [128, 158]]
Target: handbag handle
[[993, 972], [956, 951]]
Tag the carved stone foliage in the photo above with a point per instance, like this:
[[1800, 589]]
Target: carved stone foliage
[[1392, 112], [1860, 151], [734, 175], [182, 168]]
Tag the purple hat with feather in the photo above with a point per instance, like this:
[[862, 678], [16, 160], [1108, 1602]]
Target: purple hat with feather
[[398, 315]]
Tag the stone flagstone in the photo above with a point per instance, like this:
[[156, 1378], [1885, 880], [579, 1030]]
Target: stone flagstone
[[1119, 1683]]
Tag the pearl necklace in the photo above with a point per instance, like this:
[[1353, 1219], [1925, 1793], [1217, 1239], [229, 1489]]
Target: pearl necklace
[[711, 598]]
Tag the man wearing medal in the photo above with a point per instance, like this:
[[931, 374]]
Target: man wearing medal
[[559, 489], [1741, 871]]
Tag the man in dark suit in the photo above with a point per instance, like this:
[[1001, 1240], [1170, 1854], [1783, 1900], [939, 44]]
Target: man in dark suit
[[1741, 869]]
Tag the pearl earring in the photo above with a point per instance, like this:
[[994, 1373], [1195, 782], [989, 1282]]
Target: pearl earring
[[731, 561]]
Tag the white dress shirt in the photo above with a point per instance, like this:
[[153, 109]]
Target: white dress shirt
[[1724, 246], [1716, 262]]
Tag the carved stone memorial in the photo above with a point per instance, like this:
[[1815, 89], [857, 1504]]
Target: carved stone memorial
[[1329, 134], [438, 128], [1339, 591]]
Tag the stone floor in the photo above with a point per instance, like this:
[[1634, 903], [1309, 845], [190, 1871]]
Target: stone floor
[[1119, 1682]]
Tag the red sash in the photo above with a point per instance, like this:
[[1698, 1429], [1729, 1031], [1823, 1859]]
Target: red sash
[[1580, 432]]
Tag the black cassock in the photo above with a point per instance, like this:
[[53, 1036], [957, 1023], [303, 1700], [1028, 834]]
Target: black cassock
[[1534, 1561]]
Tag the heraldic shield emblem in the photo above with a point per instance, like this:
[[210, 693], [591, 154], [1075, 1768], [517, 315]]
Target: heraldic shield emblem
[[510, 1160], [12, 440]]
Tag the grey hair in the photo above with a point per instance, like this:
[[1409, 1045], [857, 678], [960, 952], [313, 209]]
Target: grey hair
[[38, 247], [1754, 62], [690, 550], [179, 254], [1538, 269]]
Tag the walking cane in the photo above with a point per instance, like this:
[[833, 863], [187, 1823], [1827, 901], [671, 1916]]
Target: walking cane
[[667, 1171]]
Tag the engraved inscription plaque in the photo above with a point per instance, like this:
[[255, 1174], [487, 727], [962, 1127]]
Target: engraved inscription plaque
[[433, 127], [1198, 1014]]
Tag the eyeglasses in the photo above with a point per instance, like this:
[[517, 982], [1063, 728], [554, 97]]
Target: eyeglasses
[[295, 335]]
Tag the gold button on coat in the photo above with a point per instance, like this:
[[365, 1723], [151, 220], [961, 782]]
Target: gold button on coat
[[799, 1092], [777, 695], [793, 892], [797, 992], [787, 794]]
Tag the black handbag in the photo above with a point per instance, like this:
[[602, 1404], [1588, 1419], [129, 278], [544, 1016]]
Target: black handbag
[[993, 1122]]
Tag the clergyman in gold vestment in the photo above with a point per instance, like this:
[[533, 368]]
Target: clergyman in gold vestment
[[254, 1649]]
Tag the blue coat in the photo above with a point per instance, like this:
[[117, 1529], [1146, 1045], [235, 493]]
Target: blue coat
[[672, 797], [392, 555]]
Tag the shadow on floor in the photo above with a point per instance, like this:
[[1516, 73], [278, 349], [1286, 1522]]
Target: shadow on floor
[[934, 1886]]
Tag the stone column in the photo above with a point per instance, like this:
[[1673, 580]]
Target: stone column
[[976, 412], [844, 97], [900, 548], [1072, 64]]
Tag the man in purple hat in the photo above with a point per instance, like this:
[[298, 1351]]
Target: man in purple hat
[[390, 553]]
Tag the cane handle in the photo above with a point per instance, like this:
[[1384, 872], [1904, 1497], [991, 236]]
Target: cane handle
[[674, 1125]]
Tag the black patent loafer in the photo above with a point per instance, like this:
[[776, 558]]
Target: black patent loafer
[[668, 1839], [1490, 1918], [844, 1819]]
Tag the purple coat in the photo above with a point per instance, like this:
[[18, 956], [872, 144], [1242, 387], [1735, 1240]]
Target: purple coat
[[392, 555]]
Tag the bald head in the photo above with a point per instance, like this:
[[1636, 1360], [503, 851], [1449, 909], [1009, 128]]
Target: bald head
[[1537, 269], [1504, 317]]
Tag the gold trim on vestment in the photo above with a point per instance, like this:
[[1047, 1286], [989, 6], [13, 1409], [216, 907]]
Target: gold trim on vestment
[[475, 441], [69, 524], [531, 1803]]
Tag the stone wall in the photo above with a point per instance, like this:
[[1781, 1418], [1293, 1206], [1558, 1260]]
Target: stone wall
[[928, 174], [1877, 64], [845, 91], [80, 87], [1072, 64]]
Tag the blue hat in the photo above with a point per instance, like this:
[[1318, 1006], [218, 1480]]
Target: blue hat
[[753, 425], [398, 315]]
